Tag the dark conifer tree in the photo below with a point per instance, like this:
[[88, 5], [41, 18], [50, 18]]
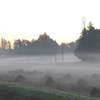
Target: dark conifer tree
[[88, 44]]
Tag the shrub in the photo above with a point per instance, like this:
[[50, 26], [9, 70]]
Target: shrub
[[49, 82], [82, 82], [67, 76], [95, 92], [79, 88], [20, 78], [95, 76], [45, 78]]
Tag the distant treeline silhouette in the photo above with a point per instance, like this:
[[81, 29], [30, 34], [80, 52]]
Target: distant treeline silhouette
[[43, 45]]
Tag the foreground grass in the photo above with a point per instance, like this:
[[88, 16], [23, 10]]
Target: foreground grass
[[15, 91]]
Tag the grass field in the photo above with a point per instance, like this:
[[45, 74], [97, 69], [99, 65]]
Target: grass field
[[16, 91]]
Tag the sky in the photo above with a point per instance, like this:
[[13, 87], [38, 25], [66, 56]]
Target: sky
[[60, 19]]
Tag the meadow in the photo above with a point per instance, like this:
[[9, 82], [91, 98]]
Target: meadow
[[16, 91], [66, 75]]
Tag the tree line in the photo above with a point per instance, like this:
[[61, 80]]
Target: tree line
[[43, 45]]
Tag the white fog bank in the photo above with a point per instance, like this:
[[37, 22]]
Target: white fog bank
[[70, 64]]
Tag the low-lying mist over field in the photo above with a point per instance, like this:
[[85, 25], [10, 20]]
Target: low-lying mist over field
[[68, 74], [41, 63], [70, 64]]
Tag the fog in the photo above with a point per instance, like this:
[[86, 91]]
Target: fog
[[71, 74], [70, 64], [34, 62]]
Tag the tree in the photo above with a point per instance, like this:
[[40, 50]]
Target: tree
[[3, 43], [72, 45], [26, 44], [4, 46], [45, 45], [49, 82], [18, 46], [45, 41], [88, 43], [8, 45]]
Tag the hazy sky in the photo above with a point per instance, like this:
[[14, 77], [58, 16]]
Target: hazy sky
[[61, 19]]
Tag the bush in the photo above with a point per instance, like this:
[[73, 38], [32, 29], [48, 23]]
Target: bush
[[95, 92], [45, 78], [20, 78], [67, 77], [82, 82], [79, 88], [49, 82], [17, 72], [95, 76]]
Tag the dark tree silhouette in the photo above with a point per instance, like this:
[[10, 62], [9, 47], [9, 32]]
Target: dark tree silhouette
[[82, 82], [95, 76], [88, 43], [95, 92], [47, 44], [49, 82], [20, 78], [67, 77], [3, 43], [8, 45], [43, 45]]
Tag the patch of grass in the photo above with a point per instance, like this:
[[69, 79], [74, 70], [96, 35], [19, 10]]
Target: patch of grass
[[15, 91]]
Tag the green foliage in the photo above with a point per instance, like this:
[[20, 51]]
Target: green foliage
[[88, 43], [80, 86], [14, 91], [82, 82], [49, 82], [45, 78], [45, 41], [67, 76], [95, 92], [20, 78], [43, 45], [17, 72]]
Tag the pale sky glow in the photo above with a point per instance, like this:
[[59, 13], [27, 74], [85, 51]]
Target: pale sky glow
[[60, 19]]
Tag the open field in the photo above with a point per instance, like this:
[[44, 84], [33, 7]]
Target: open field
[[46, 65], [18, 91]]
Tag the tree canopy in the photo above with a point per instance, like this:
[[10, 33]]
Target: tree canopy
[[43, 45], [88, 43]]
